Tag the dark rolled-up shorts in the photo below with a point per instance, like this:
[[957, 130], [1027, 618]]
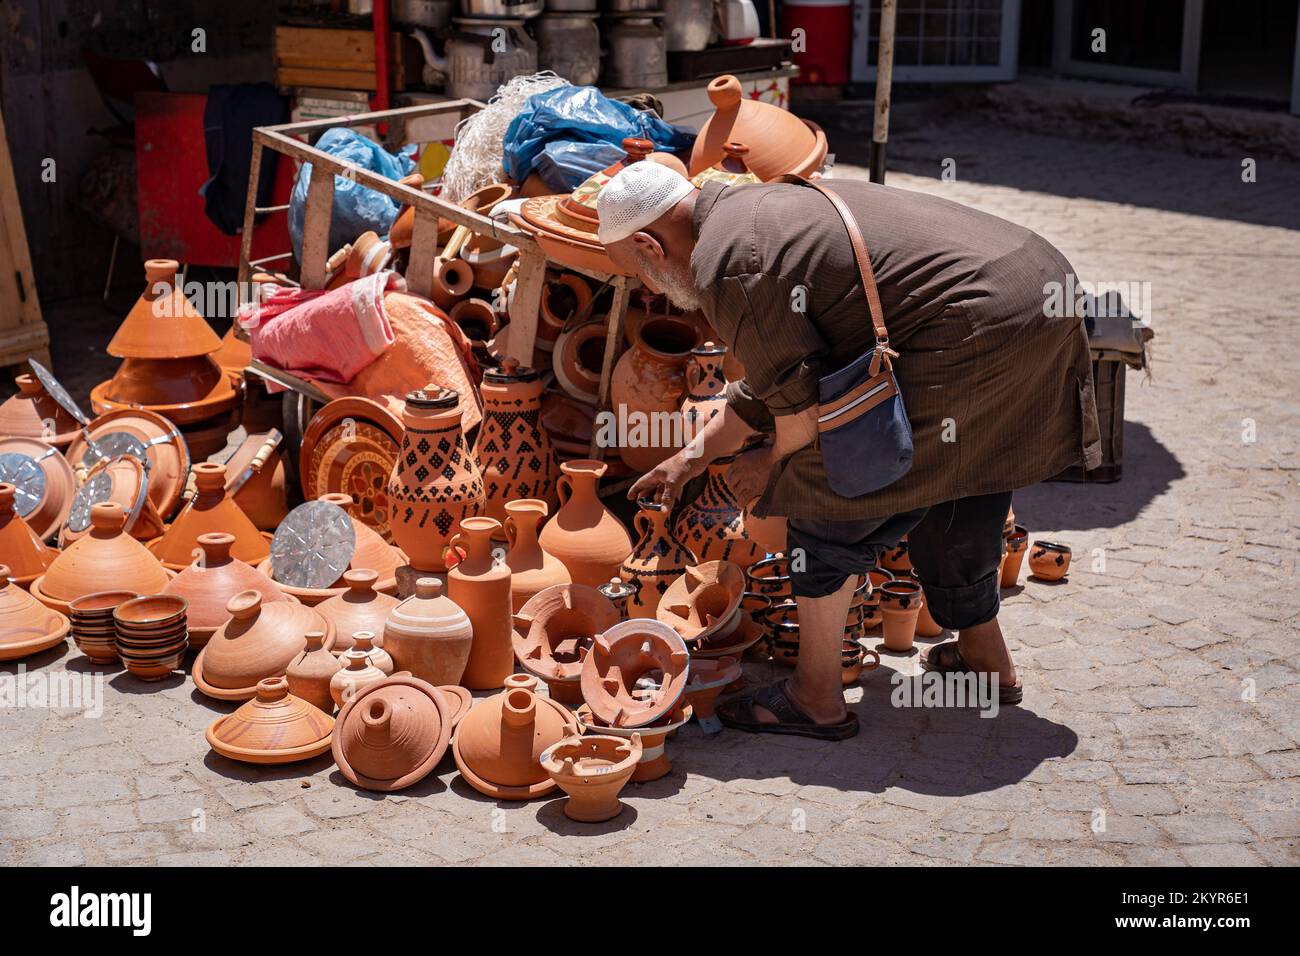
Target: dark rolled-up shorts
[[956, 548]]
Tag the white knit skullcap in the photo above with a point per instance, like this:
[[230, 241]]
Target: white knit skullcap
[[637, 196]]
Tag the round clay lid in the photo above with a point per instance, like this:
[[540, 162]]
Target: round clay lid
[[511, 372], [635, 672], [393, 733], [433, 398]]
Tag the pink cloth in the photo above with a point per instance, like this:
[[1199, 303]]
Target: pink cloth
[[325, 336]]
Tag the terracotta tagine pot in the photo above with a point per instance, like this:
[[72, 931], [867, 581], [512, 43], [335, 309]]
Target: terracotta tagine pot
[[554, 631], [592, 770], [1048, 560], [708, 680], [650, 378], [584, 534], [260, 640], [26, 626], [357, 673], [211, 581], [93, 629], [273, 727], [210, 510], [359, 608], [429, 635], [531, 569], [897, 559], [47, 513], [33, 414], [713, 526], [364, 641], [392, 733], [900, 603], [1017, 544], [106, 559], [657, 559], [513, 450], [635, 673], [26, 556], [779, 142], [654, 762], [705, 383], [480, 584], [499, 743], [310, 673], [436, 482]]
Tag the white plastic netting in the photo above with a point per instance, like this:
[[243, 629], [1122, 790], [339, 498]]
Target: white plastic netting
[[475, 159]]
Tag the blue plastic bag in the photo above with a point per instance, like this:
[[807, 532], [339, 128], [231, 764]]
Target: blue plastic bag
[[565, 166], [357, 208], [581, 114]]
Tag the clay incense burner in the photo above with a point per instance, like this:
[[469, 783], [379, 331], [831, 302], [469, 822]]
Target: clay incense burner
[[592, 770], [634, 673], [554, 631]]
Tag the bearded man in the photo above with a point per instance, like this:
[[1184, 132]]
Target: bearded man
[[998, 394]]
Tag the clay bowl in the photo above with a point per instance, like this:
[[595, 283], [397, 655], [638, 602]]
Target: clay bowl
[[592, 769], [147, 615], [770, 577], [153, 669], [1048, 560]]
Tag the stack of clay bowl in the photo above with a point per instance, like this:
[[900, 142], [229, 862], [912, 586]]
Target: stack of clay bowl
[[26, 555], [26, 627], [93, 630], [271, 728], [212, 580], [703, 607], [33, 414], [392, 733], [553, 632], [167, 351], [151, 635]]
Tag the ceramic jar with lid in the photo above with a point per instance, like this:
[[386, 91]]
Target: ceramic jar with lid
[[208, 585], [429, 635], [107, 559], [436, 482], [514, 451], [359, 608], [480, 584], [657, 559], [531, 568], [310, 673], [584, 534]]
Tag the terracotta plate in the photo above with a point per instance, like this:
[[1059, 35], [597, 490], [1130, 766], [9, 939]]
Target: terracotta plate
[[350, 448], [32, 637], [165, 447]]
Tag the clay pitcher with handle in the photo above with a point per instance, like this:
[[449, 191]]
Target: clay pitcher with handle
[[584, 534]]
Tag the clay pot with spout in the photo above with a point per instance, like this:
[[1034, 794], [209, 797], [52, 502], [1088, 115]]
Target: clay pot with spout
[[392, 733], [554, 631], [1017, 544], [713, 525], [584, 534], [429, 635], [357, 673], [209, 583], [900, 603], [592, 770], [1048, 560], [480, 583], [656, 561], [531, 568], [310, 673], [359, 608], [650, 378], [210, 510], [513, 449], [436, 482], [26, 556]]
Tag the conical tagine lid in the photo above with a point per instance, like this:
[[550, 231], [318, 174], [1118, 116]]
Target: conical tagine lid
[[210, 510], [259, 641], [779, 142], [163, 324], [208, 585], [273, 727], [26, 555], [393, 733], [104, 560]]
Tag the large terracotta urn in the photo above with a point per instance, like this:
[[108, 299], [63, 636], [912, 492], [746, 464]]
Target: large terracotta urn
[[584, 534], [531, 569], [429, 635], [107, 559], [656, 561], [27, 556], [436, 482], [647, 386], [210, 582], [480, 583], [210, 510], [514, 451], [713, 525]]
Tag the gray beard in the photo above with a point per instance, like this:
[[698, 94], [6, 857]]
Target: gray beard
[[680, 289]]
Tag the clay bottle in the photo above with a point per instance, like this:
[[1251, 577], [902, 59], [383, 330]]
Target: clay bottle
[[531, 568], [356, 674], [365, 641], [584, 534], [429, 635], [656, 561], [705, 384], [480, 584], [311, 671]]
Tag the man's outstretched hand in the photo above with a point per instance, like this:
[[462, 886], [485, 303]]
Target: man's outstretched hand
[[663, 483]]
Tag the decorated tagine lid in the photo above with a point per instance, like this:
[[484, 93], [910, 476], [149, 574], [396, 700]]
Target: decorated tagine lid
[[259, 641], [499, 743], [359, 608], [731, 171], [273, 727], [213, 579], [27, 556], [107, 559], [779, 142], [635, 673], [32, 413], [210, 510], [556, 627], [139, 432], [26, 626], [393, 733], [703, 600]]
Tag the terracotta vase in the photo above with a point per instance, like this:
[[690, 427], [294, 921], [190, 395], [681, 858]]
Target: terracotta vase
[[429, 635], [392, 733], [897, 559], [480, 584], [359, 608], [436, 482], [310, 673], [654, 762], [209, 584], [779, 142], [531, 569], [356, 674], [656, 561], [1017, 544], [33, 414], [592, 770], [274, 727], [210, 510], [26, 626], [260, 640], [26, 556], [1048, 560], [708, 680], [364, 641], [705, 383], [499, 743], [713, 526], [900, 603], [107, 559], [513, 449], [554, 631], [769, 533], [635, 673], [649, 381], [584, 534]]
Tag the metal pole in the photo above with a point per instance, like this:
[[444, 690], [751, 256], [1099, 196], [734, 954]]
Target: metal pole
[[884, 83]]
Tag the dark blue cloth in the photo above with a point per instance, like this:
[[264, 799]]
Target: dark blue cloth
[[229, 116]]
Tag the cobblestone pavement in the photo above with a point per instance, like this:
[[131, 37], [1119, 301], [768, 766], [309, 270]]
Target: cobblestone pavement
[[1160, 721]]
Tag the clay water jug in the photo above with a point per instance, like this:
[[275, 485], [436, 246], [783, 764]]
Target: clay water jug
[[436, 482], [705, 384], [650, 378], [514, 451], [656, 561], [26, 555], [429, 635], [531, 568], [210, 510], [584, 534], [480, 583], [357, 673], [311, 671], [359, 608], [713, 525]]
